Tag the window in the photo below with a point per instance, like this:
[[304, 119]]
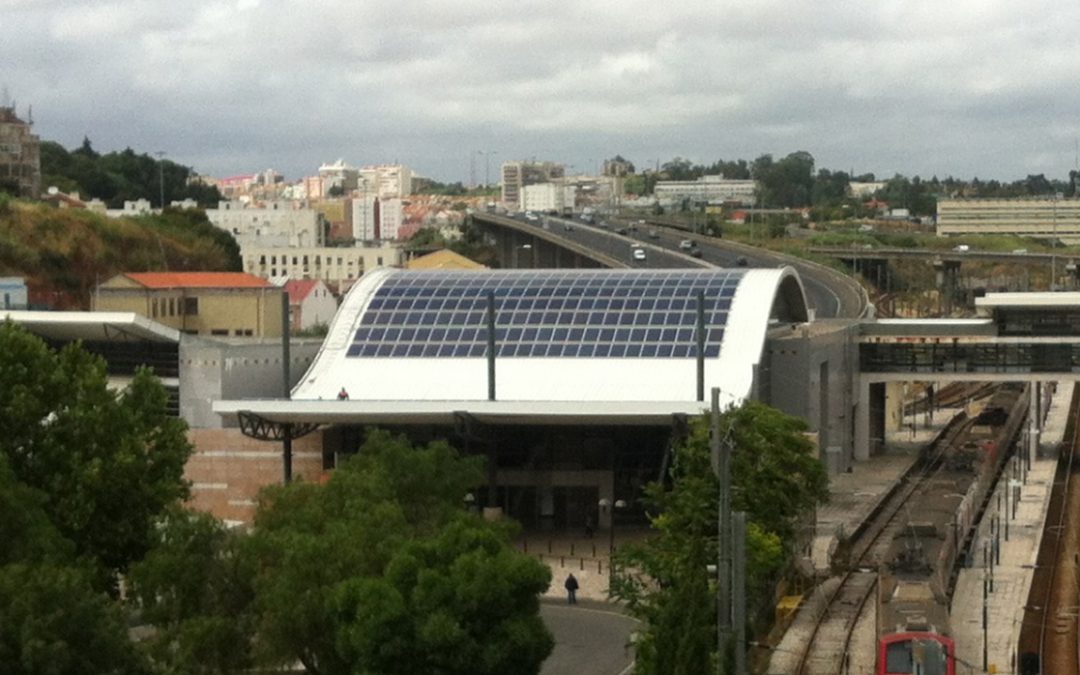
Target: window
[[172, 306], [153, 308], [219, 331], [191, 306]]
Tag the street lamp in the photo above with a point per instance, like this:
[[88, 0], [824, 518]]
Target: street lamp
[[161, 176], [470, 500], [523, 247], [606, 506]]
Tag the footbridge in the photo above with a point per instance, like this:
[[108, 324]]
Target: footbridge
[[1021, 337]]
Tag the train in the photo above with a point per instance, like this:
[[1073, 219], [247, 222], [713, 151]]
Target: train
[[917, 575]]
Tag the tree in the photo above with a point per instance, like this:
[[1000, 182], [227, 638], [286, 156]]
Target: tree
[[775, 477], [382, 571], [194, 588], [52, 622], [109, 462]]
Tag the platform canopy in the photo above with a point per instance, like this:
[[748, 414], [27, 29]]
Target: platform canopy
[[92, 326], [588, 343]]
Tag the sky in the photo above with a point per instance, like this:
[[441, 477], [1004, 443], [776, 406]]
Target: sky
[[453, 88]]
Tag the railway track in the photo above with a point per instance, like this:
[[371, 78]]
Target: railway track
[[1049, 635], [828, 647]]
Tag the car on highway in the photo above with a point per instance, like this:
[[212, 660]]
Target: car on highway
[[961, 248], [621, 230], [639, 254], [695, 252], [529, 215], [687, 244], [1020, 251], [741, 261], [653, 234]]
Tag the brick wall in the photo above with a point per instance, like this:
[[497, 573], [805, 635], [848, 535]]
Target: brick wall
[[228, 469]]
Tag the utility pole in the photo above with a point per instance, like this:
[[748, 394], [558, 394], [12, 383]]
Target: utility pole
[[721, 461], [161, 177]]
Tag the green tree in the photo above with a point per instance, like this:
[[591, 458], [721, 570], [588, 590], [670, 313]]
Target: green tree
[[776, 479], [382, 571], [194, 588], [52, 622], [109, 462]]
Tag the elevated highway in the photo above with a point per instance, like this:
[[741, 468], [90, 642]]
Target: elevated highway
[[532, 243]]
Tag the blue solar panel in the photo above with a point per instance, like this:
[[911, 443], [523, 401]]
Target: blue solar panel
[[551, 313]]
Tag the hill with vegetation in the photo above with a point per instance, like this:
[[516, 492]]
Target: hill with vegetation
[[64, 253], [116, 177]]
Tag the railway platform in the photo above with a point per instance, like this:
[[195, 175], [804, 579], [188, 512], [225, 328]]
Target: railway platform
[[856, 494], [992, 648], [854, 497]]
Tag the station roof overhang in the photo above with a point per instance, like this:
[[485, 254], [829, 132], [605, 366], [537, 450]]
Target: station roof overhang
[[93, 326], [419, 413], [1052, 299]]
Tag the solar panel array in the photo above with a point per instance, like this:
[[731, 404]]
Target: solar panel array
[[548, 313]]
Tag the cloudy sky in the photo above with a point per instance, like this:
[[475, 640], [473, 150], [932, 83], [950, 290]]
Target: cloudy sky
[[982, 88]]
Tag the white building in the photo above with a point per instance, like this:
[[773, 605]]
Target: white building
[[13, 293], [338, 267], [517, 175], [278, 224], [707, 189], [863, 189], [310, 303], [1044, 217], [387, 181], [547, 197], [375, 219]]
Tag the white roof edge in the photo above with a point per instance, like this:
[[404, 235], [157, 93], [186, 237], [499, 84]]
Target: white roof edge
[[507, 412], [1043, 299], [135, 324]]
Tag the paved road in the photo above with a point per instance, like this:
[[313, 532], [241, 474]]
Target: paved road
[[590, 639]]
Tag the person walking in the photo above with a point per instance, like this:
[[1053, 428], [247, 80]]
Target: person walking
[[571, 589]]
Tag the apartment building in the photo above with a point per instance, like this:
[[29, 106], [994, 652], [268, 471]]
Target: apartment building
[[1046, 217], [276, 224], [338, 267], [20, 155], [707, 190], [374, 218], [387, 181], [547, 197], [517, 175], [200, 303]]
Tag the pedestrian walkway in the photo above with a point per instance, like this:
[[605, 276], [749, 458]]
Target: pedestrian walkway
[[586, 557], [1006, 555]]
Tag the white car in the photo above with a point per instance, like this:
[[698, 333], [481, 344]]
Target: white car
[[639, 254]]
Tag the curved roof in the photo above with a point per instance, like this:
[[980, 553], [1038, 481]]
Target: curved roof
[[560, 335]]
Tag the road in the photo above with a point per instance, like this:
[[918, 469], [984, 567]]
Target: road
[[590, 639], [830, 293]]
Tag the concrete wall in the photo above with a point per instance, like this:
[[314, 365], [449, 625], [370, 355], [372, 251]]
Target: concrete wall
[[211, 371], [228, 469], [807, 371]]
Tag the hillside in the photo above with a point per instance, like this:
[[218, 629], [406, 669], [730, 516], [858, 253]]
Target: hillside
[[63, 253]]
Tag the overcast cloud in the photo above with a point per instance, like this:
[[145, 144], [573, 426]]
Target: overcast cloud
[[966, 88]]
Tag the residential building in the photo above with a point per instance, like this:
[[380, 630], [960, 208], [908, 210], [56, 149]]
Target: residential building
[[547, 197], [864, 189], [374, 218], [1045, 217], [338, 267], [310, 303], [516, 175], [198, 303], [388, 181], [13, 293], [339, 176], [276, 224], [443, 259], [707, 189], [20, 154]]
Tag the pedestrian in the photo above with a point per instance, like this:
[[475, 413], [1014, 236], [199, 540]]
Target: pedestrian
[[343, 395], [571, 589]]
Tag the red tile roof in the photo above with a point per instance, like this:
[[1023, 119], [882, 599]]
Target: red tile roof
[[298, 289], [198, 280]]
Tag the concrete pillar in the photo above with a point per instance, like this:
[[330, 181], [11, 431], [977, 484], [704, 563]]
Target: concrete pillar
[[862, 421], [894, 406]]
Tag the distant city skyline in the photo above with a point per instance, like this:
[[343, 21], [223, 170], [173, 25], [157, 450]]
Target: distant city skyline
[[968, 89]]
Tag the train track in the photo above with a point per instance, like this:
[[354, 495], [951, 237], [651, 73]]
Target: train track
[[1049, 635], [828, 646]]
